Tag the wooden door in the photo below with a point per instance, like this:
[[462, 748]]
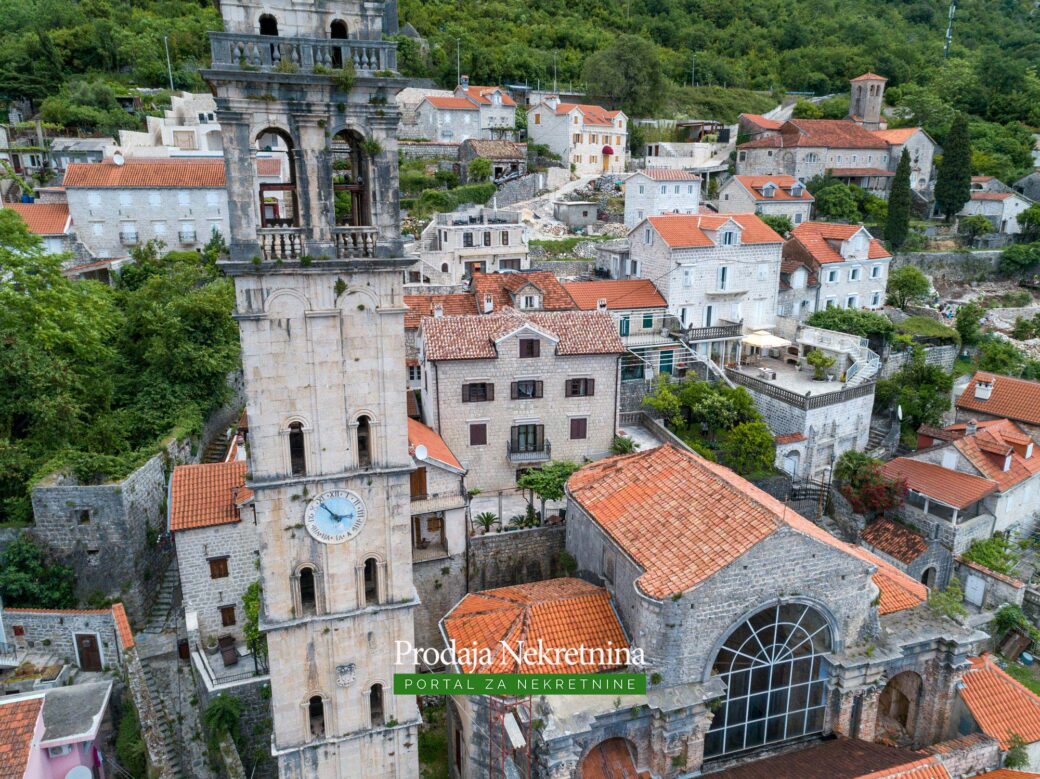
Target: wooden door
[[89, 652]]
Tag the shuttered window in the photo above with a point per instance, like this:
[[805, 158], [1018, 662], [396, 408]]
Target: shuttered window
[[525, 390], [478, 434], [478, 392], [218, 568], [579, 428], [418, 481], [530, 347], [579, 388]]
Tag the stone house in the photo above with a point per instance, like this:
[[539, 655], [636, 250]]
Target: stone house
[[470, 112], [1001, 707], [1000, 208], [470, 239], [992, 396], [752, 126], [799, 289], [50, 221], [718, 272], [655, 191], [685, 552], [1029, 186], [919, 147], [928, 561], [576, 213], [64, 151], [419, 306], [588, 138], [767, 195], [89, 639], [189, 125], [508, 158], [849, 263], [218, 547], [535, 386], [180, 202]]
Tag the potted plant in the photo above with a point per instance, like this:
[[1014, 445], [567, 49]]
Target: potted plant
[[820, 363], [211, 645], [486, 520]]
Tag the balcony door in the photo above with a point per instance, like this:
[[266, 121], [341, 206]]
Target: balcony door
[[527, 438]]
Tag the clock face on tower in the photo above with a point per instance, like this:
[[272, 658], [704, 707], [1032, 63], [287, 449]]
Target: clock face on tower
[[335, 516]]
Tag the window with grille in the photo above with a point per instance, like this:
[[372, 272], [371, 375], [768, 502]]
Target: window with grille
[[775, 669]]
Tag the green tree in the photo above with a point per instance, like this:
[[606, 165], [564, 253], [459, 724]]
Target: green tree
[[222, 715], [547, 481], [922, 390], [130, 748], [820, 362], [1019, 258], [948, 602], [974, 225], [836, 201], [628, 74], [967, 323], [779, 223], [855, 321], [665, 402], [256, 639], [907, 285], [748, 448], [899, 200], [1029, 221], [865, 486], [1017, 756], [953, 177], [996, 553], [479, 170], [29, 579], [997, 355]]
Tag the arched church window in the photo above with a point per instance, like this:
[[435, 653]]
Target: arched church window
[[316, 716], [375, 705], [775, 669], [268, 25], [364, 442], [371, 581], [297, 452], [308, 592]]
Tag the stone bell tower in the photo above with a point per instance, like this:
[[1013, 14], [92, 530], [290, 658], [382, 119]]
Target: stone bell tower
[[303, 91]]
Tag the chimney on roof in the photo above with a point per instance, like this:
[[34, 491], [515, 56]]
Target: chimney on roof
[[464, 81], [983, 387], [601, 304], [489, 302], [438, 310], [971, 427], [552, 101]]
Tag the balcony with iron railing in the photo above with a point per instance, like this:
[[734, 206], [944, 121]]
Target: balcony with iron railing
[[319, 56], [187, 236], [528, 453], [723, 330], [128, 237]]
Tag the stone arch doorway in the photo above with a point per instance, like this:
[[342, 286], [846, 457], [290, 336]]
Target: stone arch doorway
[[929, 576], [614, 758], [898, 706]]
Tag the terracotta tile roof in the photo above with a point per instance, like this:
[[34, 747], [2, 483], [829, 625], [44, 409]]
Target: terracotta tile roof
[[480, 95], [860, 172], [898, 136], [895, 540], [610, 759], [474, 337], [418, 433], [982, 179], [839, 758], [955, 745], [993, 445], [703, 517], [561, 613], [868, 76], [43, 218], [56, 611], [761, 121], [1006, 773], [665, 174], [991, 195], [620, 294], [819, 133], [18, 720], [126, 635], [504, 287], [208, 494], [685, 231], [497, 150], [591, 114], [456, 304], [147, 174], [1000, 705], [451, 103], [948, 486], [925, 768], [790, 438], [783, 184], [822, 240], [1016, 399]]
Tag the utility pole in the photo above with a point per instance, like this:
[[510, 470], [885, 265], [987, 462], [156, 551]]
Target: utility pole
[[169, 67], [458, 60], [949, 29], [554, 72], [693, 71]]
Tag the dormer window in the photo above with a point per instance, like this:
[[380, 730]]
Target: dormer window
[[796, 190], [729, 238], [530, 302], [769, 190]]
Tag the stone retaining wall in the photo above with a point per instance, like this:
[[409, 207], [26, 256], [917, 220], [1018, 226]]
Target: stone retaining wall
[[440, 584], [521, 189], [52, 632], [254, 725], [566, 269], [516, 557], [150, 717], [943, 356], [951, 266], [426, 150]]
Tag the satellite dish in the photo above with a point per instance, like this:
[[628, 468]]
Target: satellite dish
[[118, 158], [421, 452]]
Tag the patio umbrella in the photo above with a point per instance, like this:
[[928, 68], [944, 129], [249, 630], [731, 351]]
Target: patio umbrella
[[765, 340]]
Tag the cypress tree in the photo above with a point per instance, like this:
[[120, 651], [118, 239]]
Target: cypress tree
[[898, 225], [953, 184]]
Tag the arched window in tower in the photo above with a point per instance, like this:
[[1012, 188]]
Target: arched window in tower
[[375, 705], [276, 188], [308, 592], [371, 581], [775, 669], [340, 52], [316, 716], [364, 442], [297, 450], [350, 177], [268, 25]]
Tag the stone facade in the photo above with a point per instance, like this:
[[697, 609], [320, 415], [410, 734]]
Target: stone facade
[[515, 557], [807, 162], [473, 238], [54, 632], [943, 356], [735, 198], [580, 134], [646, 196], [1002, 209], [993, 589], [856, 282]]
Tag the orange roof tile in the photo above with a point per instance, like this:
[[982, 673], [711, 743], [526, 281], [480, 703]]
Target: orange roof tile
[[418, 433], [1006, 773], [838, 758], [451, 103], [18, 719], [994, 445], [704, 517], [1000, 705], [895, 540], [1018, 584], [687, 231], [126, 635], [592, 114], [150, 174], [783, 184], [505, 286], [991, 195], [946, 485], [868, 76], [763, 122], [480, 95], [56, 611], [561, 613], [819, 133], [666, 174], [456, 304], [475, 337], [819, 239], [1015, 399], [43, 218], [898, 136], [790, 438], [207, 494], [620, 294]]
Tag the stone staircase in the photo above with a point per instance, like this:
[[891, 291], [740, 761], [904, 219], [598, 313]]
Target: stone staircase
[[162, 613], [163, 724], [216, 450]]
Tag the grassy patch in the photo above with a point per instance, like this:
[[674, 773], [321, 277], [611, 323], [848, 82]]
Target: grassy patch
[[963, 366], [433, 744], [565, 246], [926, 327], [1027, 675], [721, 103]]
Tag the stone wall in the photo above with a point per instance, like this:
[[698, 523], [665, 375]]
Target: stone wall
[[150, 717], [427, 150], [440, 584], [943, 356], [968, 755], [53, 632], [254, 724], [585, 250], [567, 269], [521, 189], [516, 557], [950, 266], [841, 511], [999, 589]]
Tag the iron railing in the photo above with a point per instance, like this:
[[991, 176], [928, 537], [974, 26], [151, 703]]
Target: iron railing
[[260, 665], [519, 454], [303, 55]]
